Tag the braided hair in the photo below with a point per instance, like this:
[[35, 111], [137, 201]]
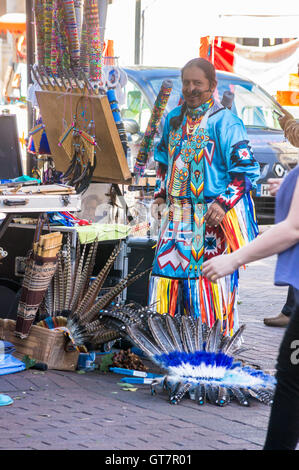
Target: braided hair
[[210, 73]]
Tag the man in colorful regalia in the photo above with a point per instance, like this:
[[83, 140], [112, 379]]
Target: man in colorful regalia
[[206, 171]]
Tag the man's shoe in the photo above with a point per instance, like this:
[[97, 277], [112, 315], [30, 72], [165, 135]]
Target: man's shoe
[[281, 320]]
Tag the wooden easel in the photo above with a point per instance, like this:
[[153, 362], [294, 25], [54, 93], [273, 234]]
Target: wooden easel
[[59, 108]]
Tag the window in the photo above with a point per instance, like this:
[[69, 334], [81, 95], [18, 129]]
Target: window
[[251, 104], [136, 106]]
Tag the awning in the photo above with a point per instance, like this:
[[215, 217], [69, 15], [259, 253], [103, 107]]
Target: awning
[[13, 22]]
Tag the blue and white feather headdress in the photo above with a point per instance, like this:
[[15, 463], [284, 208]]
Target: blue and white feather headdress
[[198, 360]]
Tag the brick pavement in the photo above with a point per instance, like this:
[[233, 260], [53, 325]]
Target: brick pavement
[[67, 410]]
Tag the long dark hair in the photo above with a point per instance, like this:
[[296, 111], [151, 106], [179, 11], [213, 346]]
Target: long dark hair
[[210, 73]]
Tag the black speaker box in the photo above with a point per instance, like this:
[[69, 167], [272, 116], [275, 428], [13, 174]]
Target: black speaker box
[[139, 248]]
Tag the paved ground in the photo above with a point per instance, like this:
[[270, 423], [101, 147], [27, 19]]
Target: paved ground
[[68, 410]]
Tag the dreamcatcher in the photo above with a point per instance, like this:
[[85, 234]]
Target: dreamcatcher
[[80, 146]]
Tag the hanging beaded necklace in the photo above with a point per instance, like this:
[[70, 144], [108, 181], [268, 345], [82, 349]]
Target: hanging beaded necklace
[[195, 113], [192, 125]]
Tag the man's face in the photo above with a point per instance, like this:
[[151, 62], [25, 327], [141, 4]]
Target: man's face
[[196, 87]]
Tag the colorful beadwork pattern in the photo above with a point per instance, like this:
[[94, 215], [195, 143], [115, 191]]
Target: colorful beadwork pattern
[[39, 26], [72, 33], [58, 35], [91, 16], [48, 18]]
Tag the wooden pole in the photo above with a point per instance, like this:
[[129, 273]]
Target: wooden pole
[[30, 52], [137, 31]]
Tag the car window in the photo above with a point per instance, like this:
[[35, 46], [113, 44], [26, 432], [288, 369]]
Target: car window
[[251, 103], [136, 106]]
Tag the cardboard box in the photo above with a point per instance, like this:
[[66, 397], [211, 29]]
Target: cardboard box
[[42, 344]]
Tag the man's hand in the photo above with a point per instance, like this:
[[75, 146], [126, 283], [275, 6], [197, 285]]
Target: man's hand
[[157, 208], [214, 215], [286, 117], [274, 185]]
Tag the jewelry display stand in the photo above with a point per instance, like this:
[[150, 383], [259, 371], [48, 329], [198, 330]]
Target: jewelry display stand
[[58, 111]]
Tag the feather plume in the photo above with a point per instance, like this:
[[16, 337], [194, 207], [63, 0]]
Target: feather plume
[[91, 266], [105, 336], [60, 281], [223, 396], [97, 284], [214, 337], [234, 341], [183, 338], [83, 279], [212, 393], [198, 339], [187, 332], [266, 396], [173, 332], [200, 394], [68, 274], [143, 341], [56, 293], [179, 392], [161, 336], [49, 299], [77, 279], [240, 396], [112, 294]]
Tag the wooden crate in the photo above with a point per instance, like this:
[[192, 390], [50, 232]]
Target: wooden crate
[[42, 344]]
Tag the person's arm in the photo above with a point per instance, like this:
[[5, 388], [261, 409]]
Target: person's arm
[[274, 185], [291, 131], [275, 240], [290, 127]]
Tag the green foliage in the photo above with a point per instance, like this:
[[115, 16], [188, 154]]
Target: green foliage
[[28, 361], [106, 362]]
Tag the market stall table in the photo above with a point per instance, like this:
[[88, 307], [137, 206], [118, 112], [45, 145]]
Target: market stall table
[[35, 199]]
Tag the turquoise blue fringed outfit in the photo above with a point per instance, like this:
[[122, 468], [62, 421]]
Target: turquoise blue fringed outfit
[[207, 159]]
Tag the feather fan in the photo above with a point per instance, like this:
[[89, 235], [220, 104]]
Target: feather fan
[[197, 360]]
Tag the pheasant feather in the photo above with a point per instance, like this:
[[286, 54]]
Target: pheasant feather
[[68, 274], [60, 281], [95, 287], [83, 279], [77, 279], [91, 266], [113, 292]]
